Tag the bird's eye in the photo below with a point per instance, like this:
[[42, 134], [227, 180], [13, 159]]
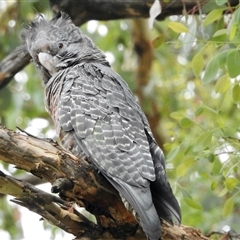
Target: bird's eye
[[60, 45]]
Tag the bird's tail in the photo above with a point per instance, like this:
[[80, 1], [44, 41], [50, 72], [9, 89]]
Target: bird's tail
[[140, 200], [165, 202]]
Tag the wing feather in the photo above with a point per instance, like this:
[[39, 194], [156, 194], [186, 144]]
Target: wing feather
[[111, 129]]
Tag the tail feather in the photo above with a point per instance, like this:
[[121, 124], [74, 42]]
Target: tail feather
[[141, 201], [165, 202], [167, 207], [139, 198]]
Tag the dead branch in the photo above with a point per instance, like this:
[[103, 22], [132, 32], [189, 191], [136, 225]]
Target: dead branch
[[53, 209], [122, 9], [12, 64], [76, 180], [89, 189]]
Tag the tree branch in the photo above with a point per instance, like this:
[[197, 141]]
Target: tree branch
[[12, 64], [53, 209], [77, 181], [50, 162], [122, 9]]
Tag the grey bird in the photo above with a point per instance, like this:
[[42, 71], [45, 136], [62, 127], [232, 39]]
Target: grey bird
[[96, 114]]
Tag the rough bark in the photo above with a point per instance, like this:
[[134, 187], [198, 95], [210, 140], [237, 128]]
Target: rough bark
[[12, 64], [77, 181], [121, 9]]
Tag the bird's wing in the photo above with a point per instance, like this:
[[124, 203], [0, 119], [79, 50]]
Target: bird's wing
[[107, 124], [162, 195]]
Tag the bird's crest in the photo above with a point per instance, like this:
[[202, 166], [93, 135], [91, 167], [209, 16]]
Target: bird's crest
[[59, 27]]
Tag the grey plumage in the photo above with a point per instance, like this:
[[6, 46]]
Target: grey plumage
[[96, 114]]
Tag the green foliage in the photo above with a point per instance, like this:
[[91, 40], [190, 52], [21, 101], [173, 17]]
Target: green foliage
[[223, 84], [221, 2], [197, 64], [228, 207], [213, 16], [158, 41], [195, 85], [178, 27], [204, 148]]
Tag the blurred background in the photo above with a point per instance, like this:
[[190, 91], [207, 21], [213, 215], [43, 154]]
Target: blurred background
[[186, 78]]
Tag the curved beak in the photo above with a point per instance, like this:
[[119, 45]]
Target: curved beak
[[47, 62]]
